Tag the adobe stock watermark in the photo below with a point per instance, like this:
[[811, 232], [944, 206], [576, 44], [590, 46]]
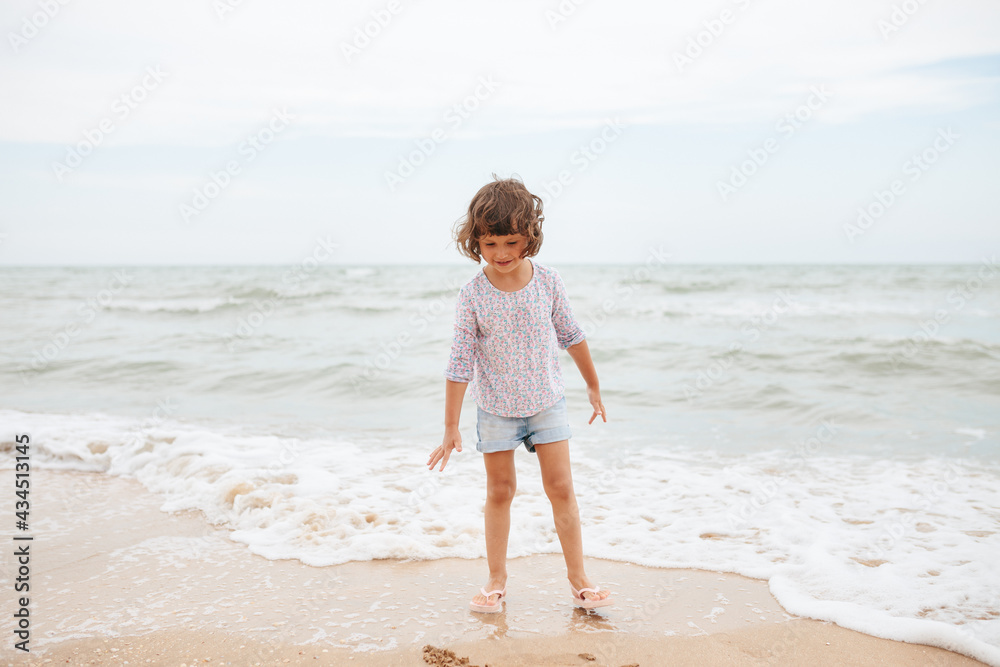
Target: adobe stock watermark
[[611, 476], [795, 634], [609, 650], [248, 150], [914, 167], [582, 158], [136, 437], [288, 451], [562, 12], [87, 311], [624, 289], [121, 109], [314, 600], [32, 25], [365, 33], [892, 533], [898, 17], [428, 486], [323, 250], [453, 119], [224, 7], [739, 517], [957, 297], [390, 351], [750, 330], [785, 128], [712, 30]]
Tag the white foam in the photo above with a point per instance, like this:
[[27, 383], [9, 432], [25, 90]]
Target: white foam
[[897, 549], [175, 305]]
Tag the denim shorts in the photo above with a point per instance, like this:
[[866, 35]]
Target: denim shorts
[[501, 434]]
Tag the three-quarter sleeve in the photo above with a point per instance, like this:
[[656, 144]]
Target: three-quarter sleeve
[[568, 332], [463, 344]]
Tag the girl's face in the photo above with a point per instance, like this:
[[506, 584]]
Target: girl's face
[[503, 253]]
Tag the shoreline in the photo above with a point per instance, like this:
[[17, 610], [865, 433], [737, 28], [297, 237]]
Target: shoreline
[[800, 642], [115, 579]]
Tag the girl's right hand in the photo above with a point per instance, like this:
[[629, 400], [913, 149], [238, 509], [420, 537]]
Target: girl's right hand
[[452, 440]]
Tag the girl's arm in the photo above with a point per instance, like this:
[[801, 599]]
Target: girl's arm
[[458, 374], [581, 355], [454, 394]]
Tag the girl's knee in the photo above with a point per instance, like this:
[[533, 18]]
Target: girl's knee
[[501, 491], [560, 490]]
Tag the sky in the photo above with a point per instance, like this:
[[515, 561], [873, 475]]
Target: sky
[[732, 131]]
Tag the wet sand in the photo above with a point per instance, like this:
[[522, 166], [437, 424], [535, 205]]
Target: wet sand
[[117, 581]]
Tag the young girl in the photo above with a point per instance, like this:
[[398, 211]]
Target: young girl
[[509, 320]]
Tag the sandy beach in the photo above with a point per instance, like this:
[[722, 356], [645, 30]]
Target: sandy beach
[[117, 581]]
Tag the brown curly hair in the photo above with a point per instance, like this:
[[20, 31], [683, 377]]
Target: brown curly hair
[[501, 208]]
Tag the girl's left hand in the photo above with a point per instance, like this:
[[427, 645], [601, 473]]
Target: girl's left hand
[[595, 400]]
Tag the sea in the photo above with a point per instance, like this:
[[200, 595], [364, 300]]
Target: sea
[[834, 430]]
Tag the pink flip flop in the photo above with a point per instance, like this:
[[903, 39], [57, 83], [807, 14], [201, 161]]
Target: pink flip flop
[[489, 608], [581, 601]]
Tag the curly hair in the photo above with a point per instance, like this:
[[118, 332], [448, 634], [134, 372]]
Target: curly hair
[[501, 208]]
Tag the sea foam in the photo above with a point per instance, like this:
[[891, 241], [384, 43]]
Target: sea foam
[[896, 548]]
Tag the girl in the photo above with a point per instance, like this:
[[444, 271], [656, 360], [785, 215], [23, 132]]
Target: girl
[[509, 319]]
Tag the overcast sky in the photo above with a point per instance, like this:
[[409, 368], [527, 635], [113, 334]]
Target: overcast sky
[[240, 131]]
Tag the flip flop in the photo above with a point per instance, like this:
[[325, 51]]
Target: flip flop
[[489, 608], [581, 601]]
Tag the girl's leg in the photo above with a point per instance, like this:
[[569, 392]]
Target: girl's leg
[[557, 479], [501, 482]]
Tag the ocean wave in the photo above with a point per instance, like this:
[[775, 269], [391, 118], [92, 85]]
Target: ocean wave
[[900, 546], [175, 306]]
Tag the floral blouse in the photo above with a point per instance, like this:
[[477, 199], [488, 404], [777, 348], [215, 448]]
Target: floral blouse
[[505, 343]]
